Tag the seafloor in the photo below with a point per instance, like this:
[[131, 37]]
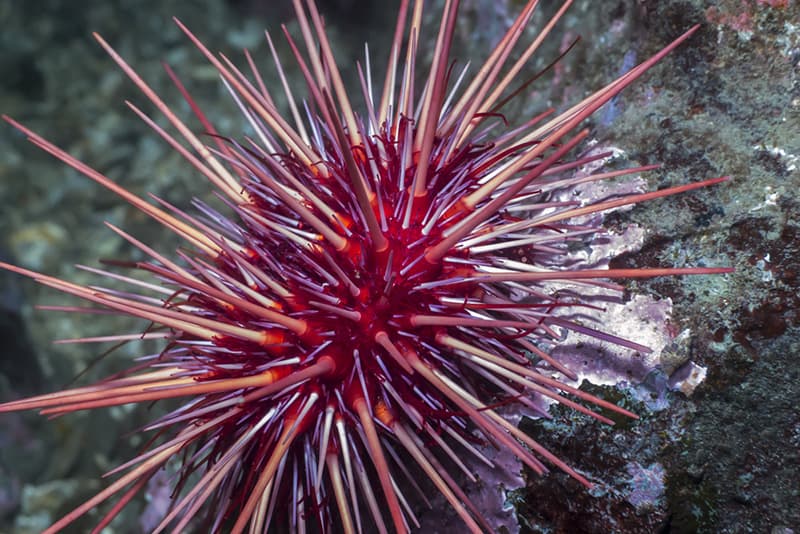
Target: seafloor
[[724, 458]]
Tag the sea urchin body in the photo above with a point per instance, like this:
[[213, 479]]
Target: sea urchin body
[[383, 281]]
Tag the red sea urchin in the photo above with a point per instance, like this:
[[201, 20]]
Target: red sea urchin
[[388, 279]]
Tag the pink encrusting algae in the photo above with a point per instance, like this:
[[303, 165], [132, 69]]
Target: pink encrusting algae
[[384, 280]]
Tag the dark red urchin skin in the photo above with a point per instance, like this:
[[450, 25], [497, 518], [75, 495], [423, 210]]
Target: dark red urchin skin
[[383, 295], [369, 293], [384, 298]]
